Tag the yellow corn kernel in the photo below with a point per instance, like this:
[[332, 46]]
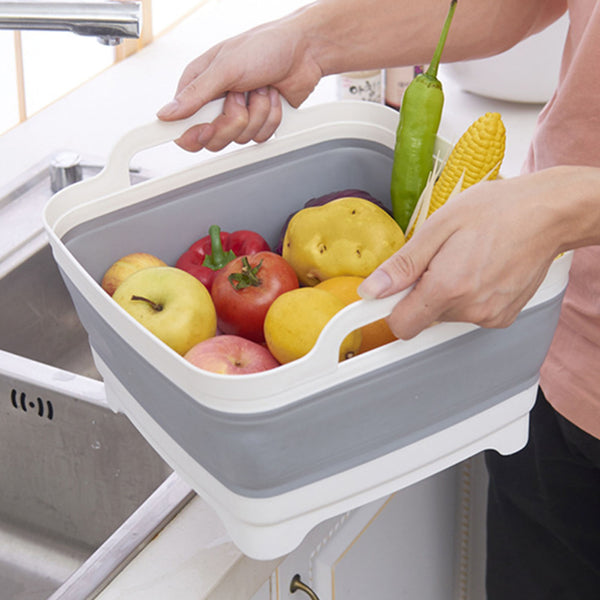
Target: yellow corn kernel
[[478, 154]]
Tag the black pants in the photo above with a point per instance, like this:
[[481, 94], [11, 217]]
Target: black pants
[[544, 514]]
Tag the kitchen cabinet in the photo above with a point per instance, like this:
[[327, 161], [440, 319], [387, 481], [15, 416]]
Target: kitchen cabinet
[[423, 542], [266, 590]]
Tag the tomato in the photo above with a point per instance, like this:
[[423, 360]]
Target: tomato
[[243, 290]]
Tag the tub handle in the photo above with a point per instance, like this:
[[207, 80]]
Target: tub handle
[[297, 584], [114, 177]]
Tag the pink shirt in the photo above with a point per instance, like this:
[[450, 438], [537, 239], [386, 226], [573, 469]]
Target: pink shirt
[[568, 132]]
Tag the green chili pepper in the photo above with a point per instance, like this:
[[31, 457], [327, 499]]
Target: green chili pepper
[[420, 115]]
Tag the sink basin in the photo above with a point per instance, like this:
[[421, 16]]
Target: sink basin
[[74, 475], [39, 320]]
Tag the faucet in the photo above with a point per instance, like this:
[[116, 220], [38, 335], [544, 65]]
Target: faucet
[[109, 21]]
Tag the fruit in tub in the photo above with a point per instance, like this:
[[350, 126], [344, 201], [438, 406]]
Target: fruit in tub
[[324, 199], [171, 304], [348, 236], [126, 266], [231, 355], [244, 289], [345, 288], [295, 320], [477, 156], [205, 257]]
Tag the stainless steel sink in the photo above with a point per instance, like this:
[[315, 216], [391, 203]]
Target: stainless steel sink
[[74, 475], [38, 319]]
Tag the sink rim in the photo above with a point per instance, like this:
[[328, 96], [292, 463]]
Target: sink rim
[[99, 570], [40, 374]]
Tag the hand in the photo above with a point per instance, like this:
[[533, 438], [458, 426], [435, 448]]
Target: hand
[[478, 259], [252, 69], [291, 54]]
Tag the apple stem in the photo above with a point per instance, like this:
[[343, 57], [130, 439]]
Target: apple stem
[[157, 307]]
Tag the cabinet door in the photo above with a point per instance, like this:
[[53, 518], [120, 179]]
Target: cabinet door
[[403, 547], [267, 591]]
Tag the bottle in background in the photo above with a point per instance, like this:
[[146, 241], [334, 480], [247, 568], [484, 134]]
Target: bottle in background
[[397, 80], [361, 85]]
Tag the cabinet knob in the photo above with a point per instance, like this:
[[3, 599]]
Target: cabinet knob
[[297, 584]]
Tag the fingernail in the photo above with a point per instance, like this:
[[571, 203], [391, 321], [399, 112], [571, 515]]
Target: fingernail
[[263, 91], [375, 285], [168, 109], [240, 98]]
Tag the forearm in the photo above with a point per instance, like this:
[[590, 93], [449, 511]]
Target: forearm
[[290, 55], [360, 34]]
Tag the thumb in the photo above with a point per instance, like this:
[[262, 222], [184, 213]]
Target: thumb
[[402, 269], [186, 102]]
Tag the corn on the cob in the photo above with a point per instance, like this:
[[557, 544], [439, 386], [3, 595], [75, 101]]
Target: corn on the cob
[[478, 154]]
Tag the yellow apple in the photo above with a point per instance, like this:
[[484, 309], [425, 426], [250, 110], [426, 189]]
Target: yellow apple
[[125, 266], [170, 303]]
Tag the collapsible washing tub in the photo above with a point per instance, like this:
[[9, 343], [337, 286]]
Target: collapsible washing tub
[[277, 452]]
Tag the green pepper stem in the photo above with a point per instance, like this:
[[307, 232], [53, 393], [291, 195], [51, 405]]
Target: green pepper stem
[[218, 258], [437, 55]]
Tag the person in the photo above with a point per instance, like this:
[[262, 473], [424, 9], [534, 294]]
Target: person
[[478, 259]]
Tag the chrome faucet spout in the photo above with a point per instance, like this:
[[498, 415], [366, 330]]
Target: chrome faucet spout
[[109, 21]]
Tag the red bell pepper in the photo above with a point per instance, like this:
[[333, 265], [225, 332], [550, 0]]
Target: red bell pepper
[[209, 254]]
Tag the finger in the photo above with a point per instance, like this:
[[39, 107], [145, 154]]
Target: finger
[[225, 128], [416, 311], [263, 113], [188, 101], [196, 137], [259, 106], [230, 124], [273, 118], [194, 90], [448, 289]]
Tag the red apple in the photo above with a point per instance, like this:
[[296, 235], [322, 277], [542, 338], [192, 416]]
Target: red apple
[[126, 266], [231, 355]]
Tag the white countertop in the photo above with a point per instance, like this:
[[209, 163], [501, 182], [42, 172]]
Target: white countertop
[[193, 557]]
